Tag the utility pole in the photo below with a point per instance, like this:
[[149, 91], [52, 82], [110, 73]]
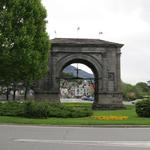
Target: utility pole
[[77, 71]]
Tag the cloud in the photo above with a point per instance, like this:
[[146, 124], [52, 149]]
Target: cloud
[[145, 10], [136, 58], [123, 21]]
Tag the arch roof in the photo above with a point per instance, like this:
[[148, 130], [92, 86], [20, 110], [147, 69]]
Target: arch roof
[[83, 42]]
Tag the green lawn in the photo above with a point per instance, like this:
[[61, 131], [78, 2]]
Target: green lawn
[[129, 111]]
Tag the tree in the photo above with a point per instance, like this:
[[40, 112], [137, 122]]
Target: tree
[[128, 91], [143, 86], [139, 90], [24, 43]]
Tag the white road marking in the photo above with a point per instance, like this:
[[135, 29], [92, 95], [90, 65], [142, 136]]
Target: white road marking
[[136, 144], [81, 127]]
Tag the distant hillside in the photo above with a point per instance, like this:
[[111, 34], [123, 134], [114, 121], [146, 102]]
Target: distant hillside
[[82, 73]]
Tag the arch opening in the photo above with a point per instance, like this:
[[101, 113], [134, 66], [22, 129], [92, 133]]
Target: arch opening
[[78, 81]]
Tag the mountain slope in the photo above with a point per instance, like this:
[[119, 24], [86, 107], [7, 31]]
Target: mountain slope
[[81, 73]]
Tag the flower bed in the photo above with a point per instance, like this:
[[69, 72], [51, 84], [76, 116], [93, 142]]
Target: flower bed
[[110, 117]]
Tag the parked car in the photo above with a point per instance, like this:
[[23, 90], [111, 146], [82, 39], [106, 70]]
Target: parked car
[[88, 98]]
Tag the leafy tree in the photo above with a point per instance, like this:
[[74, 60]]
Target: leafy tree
[[139, 90], [128, 91], [24, 43], [143, 86]]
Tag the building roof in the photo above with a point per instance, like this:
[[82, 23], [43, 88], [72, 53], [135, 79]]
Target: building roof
[[83, 42]]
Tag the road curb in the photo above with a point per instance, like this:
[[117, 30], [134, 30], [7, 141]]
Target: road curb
[[104, 126], [88, 126]]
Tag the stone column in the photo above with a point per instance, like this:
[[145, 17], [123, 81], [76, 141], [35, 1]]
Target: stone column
[[118, 70], [109, 99], [48, 87]]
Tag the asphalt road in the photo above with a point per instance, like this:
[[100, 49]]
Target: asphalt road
[[13, 137]]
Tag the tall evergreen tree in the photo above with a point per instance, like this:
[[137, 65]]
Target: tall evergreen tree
[[24, 43]]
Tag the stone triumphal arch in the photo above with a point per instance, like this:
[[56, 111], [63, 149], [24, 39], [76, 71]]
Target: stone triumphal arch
[[102, 57]]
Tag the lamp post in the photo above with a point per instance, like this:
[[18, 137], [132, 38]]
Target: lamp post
[[77, 69]]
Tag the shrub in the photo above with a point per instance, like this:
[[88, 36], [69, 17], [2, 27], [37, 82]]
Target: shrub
[[36, 109], [63, 111], [143, 108], [11, 109], [44, 109]]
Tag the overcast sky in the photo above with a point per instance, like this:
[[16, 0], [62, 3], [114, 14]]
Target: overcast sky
[[122, 21]]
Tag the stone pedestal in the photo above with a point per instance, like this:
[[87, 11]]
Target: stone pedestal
[[108, 101]]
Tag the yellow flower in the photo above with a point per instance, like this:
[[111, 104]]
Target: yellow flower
[[110, 117]]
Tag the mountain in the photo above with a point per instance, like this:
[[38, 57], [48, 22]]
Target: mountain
[[81, 73]]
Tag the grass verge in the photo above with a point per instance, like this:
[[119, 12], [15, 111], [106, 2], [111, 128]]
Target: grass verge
[[133, 119]]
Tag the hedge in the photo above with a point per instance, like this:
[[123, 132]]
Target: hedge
[[32, 109], [11, 109], [143, 108]]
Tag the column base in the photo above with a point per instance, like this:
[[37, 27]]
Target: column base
[[108, 101]]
